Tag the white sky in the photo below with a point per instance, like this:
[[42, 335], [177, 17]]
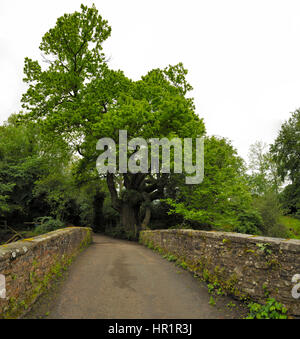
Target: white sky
[[243, 56]]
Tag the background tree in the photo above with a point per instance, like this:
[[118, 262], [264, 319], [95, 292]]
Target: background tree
[[20, 166], [286, 154], [37, 180], [264, 177], [223, 200], [265, 187]]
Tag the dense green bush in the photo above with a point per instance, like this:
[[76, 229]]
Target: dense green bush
[[249, 222], [47, 224]]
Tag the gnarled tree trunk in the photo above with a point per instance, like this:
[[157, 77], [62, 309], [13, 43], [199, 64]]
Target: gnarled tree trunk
[[141, 189], [129, 220]]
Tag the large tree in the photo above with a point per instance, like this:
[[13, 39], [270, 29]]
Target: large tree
[[77, 96], [155, 107]]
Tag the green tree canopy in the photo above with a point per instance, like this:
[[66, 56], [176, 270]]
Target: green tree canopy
[[286, 148], [286, 154], [223, 200]]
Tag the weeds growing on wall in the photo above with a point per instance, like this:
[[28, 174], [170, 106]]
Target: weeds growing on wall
[[270, 310]]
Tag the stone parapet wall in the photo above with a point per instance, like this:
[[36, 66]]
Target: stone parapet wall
[[29, 265], [245, 266]]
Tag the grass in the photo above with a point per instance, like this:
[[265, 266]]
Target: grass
[[292, 225]]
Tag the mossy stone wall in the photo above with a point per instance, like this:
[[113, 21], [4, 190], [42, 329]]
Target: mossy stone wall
[[247, 267], [29, 266]]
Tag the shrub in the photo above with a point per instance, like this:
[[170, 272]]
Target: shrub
[[249, 222], [47, 224], [270, 210], [278, 231]]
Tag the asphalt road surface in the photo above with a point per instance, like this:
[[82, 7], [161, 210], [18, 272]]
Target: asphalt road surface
[[117, 279]]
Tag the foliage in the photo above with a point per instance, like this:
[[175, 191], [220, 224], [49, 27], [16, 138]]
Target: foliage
[[160, 219], [73, 53], [171, 257], [264, 177], [38, 176], [270, 310], [264, 247], [286, 148], [58, 191], [212, 301], [249, 222], [290, 199], [269, 209], [20, 166], [265, 186], [90, 201], [5, 189], [215, 288], [223, 199], [285, 151], [47, 224]]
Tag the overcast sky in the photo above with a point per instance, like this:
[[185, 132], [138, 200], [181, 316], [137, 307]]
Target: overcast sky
[[243, 56]]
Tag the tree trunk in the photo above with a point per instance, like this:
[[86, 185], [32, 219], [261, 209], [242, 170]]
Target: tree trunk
[[138, 189], [129, 220], [147, 218]]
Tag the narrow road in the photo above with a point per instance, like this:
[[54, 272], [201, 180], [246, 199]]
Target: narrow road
[[116, 279]]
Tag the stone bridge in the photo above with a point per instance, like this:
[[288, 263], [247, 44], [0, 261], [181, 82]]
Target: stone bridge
[[120, 279]]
